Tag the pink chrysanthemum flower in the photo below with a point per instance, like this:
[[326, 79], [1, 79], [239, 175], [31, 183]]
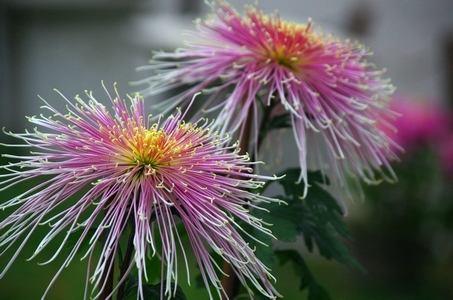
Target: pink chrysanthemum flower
[[422, 122], [129, 169], [334, 96]]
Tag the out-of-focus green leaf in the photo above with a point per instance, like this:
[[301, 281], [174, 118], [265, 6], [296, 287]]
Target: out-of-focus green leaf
[[282, 228], [151, 291], [318, 217], [315, 290]]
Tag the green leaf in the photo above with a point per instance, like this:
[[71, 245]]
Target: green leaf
[[277, 122], [263, 251], [318, 217], [282, 227], [315, 290], [150, 291]]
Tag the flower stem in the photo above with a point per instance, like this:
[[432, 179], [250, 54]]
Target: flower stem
[[231, 282], [107, 275], [125, 262], [261, 130]]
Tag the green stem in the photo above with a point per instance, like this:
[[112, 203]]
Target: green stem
[[107, 275], [261, 130], [231, 283], [125, 261]]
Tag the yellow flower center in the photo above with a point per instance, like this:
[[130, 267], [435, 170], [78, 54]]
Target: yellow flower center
[[150, 146], [288, 44], [139, 146]]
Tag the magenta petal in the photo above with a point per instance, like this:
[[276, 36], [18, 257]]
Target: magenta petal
[[127, 168], [335, 96]]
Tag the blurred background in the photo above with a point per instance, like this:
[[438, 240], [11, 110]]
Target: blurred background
[[403, 233]]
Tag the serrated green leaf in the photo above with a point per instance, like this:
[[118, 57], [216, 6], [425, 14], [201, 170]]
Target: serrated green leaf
[[282, 227], [326, 209], [318, 217], [315, 290], [263, 251]]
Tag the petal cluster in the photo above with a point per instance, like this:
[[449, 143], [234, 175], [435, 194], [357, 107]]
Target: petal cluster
[[422, 122], [109, 170], [334, 96]]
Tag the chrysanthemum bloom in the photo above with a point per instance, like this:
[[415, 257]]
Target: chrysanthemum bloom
[[334, 96], [422, 122], [132, 170]]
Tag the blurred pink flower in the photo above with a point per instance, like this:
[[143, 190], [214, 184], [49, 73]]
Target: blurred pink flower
[[335, 97], [422, 122], [129, 169]]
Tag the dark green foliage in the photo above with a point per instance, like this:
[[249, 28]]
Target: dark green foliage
[[150, 291], [315, 291], [318, 217], [264, 250], [278, 122]]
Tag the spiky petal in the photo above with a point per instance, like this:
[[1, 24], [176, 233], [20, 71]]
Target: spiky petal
[[334, 95], [128, 169]]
